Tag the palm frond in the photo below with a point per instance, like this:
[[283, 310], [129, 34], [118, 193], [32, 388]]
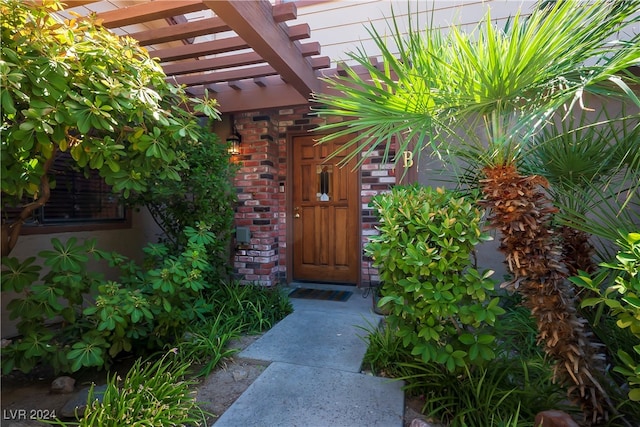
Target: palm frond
[[512, 79]]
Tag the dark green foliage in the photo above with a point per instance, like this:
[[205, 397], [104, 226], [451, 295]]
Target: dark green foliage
[[384, 351], [440, 305], [509, 391], [239, 309], [143, 309], [617, 287], [503, 391], [256, 307], [207, 342], [204, 193], [516, 330]]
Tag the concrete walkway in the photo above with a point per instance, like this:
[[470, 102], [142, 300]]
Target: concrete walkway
[[314, 378]]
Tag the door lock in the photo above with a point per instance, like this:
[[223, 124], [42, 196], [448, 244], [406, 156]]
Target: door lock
[[297, 210]]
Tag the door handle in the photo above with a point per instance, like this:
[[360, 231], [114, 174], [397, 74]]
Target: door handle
[[297, 210]]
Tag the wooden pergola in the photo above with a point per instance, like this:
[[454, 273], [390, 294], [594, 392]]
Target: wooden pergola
[[250, 59]]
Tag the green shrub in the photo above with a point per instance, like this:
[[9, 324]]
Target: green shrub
[[618, 289], [438, 302], [144, 309], [204, 193], [151, 394]]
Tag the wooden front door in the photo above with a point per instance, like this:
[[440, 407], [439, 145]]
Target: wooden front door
[[325, 214]]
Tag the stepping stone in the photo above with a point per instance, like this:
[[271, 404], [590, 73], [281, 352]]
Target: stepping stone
[[288, 395], [314, 338], [78, 403]]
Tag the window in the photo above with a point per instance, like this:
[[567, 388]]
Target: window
[[77, 202]]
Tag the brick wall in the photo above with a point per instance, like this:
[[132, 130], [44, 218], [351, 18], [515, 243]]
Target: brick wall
[[262, 204], [375, 177], [257, 187]]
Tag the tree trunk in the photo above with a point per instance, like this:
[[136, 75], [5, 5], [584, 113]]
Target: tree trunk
[[11, 230], [577, 251], [521, 211]]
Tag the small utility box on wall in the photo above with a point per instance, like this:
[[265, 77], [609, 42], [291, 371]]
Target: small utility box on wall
[[243, 235]]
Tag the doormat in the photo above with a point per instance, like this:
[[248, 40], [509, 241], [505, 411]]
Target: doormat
[[320, 294]]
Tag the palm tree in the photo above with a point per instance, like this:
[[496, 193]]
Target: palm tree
[[481, 98], [594, 176]]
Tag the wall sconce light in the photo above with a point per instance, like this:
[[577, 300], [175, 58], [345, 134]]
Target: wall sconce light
[[233, 142]]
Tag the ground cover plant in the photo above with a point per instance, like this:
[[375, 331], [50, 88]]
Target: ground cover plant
[[142, 310], [508, 391], [241, 309], [479, 100]]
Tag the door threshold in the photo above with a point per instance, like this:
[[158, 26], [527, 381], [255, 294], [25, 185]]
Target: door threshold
[[320, 285]]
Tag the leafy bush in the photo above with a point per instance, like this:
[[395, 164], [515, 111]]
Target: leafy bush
[[204, 193], [151, 394], [144, 309], [618, 288], [75, 86], [438, 302]]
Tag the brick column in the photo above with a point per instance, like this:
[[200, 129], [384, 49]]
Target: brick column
[[376, 178], [258, 201]]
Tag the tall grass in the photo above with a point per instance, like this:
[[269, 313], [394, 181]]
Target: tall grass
[[238, 309], [151, 394]]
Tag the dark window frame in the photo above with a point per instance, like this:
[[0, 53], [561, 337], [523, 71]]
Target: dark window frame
[[91, 199]]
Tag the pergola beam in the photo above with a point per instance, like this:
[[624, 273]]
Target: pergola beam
[[281, 13], [71, 3], [149, 11], [275, 94], [230, 61], [258, 62], [239, 74], [253, 21], [229, 44]]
